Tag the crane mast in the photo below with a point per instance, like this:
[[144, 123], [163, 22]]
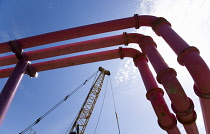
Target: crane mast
[[88, 105]]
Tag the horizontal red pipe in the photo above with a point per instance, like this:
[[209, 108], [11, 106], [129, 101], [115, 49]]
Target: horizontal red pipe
[[76, 60], [74, 47], [82, 31]]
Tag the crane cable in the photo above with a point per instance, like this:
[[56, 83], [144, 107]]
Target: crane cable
[[101, 108], [113, 98], [58, 104], [115, 108], [81, 107]]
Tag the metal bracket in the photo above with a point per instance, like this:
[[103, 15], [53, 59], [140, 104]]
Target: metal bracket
[[31, 71], [17, 49]]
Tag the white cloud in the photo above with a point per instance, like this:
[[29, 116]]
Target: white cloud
[[127, 72]]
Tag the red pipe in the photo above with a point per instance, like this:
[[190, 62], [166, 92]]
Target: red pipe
[[181, 104], [160, 26], [11, 86], [74, 47], [190, 58], [165, 119], [179, 99], [70, 61], [82, 31], [159, 106]]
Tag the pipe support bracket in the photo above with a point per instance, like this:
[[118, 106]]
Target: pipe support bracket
[[17, 49]]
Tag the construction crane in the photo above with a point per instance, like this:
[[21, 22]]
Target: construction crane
[[85, 112]]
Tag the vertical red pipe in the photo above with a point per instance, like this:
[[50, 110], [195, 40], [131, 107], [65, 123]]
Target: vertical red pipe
[[10, 88], [190, 58], [181, 104], [166, 120]]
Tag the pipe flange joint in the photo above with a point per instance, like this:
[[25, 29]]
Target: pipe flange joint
[[154, 91], [121, 53], [185, 52], [139, 57], [184, 113], [144, 41], [125, 37], [136, 17], [172, 126], [188, 122], [158, 23], [163, 72], [16, 48], [199, 94]]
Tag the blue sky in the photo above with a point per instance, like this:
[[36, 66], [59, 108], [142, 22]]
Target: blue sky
[[35, 96]]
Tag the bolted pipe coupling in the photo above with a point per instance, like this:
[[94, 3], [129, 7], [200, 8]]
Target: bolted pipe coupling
[[138, 57], [158, 23], [185, 52], [144, 41], [199, 94], [163, 72], [154, 91], [172, 126], [136, 17], [184, 113], [188, 122]]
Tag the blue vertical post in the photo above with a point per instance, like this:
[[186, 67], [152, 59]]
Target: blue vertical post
[[11, 86]]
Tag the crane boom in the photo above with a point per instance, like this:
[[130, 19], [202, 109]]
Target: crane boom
[[88, 105]]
